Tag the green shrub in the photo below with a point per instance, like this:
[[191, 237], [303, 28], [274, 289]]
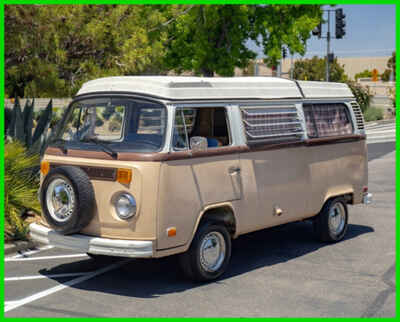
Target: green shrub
[[373, 114], [361, 94], [20, 189], [366, 73]]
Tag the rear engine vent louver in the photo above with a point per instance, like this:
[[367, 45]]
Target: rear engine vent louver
[[358, 114]]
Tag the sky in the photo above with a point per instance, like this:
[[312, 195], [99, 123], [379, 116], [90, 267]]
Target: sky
[[370, 31]]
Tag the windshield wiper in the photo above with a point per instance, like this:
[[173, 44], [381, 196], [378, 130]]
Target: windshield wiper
[[105, 147], [61, 144]]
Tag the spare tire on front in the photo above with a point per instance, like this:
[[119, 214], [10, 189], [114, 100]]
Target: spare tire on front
[[67, 199]]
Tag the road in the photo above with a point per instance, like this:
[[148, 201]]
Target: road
[[278, 272], [381, 132]]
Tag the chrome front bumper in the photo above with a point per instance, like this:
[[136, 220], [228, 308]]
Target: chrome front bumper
[[92, 245], [367, 199]]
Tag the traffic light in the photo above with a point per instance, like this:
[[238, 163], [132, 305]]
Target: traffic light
[[284, 53], [317, 31], [340, 23]]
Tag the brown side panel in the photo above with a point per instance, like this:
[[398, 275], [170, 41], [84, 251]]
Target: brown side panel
[[273, 179], [298, 179], [337, 169], [179, 203], [188, 186]]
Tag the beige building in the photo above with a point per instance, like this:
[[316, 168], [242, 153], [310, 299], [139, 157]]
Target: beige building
[[352, 65]]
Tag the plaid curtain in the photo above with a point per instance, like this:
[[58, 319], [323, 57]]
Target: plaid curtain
[[324, 120]]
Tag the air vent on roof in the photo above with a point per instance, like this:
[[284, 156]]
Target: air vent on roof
[[264, 124], [189, 85], [358, 114]]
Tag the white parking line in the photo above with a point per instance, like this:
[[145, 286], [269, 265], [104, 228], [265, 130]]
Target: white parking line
[[11, 305], [43, 257], [382, 140], [381, 131], [36, 277], [31, 252]]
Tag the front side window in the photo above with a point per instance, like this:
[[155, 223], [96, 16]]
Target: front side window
[[210, 123], [123, 124], [325, 120]]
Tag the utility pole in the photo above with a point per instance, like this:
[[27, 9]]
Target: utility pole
[[340, 32], [328, 47], [255, 67], [283, 56], [291, 66], [279, 69]]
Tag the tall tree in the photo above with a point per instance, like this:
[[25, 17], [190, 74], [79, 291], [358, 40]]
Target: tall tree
[[313, 69], [212, 39], [391, 68], [51, 50]]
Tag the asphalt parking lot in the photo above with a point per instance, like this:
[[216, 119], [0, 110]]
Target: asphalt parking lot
[[278, 272]]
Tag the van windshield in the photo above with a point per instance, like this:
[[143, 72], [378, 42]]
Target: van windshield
[[123, 124]]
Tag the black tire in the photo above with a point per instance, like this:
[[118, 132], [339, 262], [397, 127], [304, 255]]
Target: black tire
[[101, 258], [190, 261], [322, 227], [84, 200]]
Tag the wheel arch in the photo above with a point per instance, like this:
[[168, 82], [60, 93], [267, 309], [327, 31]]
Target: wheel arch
[[347, 195], [222, 213]]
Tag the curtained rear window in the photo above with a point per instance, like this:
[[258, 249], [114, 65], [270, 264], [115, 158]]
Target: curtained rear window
[[324, 120]]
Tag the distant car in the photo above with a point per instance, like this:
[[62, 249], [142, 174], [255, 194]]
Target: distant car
[[155, 166]]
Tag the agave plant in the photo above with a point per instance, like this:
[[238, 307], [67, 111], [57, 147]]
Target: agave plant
[[20, 126], [20, 189]]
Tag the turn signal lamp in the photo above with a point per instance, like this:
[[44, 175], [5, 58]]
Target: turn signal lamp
[[124, 176], [171, 231], [45, 167]]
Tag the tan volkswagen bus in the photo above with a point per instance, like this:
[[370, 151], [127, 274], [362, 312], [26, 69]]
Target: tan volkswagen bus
[[154, 166]]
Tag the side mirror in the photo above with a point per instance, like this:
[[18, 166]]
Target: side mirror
[[198, 143]]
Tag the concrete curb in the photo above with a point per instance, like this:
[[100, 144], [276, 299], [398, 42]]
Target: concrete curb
[[17, 246]]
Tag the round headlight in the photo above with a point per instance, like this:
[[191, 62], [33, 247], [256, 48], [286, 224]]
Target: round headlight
[[125, 206]]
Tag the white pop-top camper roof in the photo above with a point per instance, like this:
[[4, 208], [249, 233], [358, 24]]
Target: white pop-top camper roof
[[186, 88]]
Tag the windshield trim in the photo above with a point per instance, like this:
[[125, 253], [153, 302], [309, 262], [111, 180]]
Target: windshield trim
[[90, 146]]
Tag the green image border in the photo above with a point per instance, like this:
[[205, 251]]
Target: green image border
[[337, 2]]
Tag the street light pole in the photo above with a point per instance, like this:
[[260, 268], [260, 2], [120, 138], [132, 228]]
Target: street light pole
[[291, 67], [328, 38]]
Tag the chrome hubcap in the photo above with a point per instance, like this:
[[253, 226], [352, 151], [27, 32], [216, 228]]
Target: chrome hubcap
[[337, 218], [60, 200], [212, 251]]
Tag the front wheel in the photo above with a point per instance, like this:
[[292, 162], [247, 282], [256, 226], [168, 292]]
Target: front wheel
[[330, 225], [209, 254]]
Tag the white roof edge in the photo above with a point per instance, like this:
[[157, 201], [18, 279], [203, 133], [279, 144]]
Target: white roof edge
[[187, 87], [182, 87], [313, 89]]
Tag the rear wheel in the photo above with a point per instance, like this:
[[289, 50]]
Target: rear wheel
[[209, 254], [331, 223]]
